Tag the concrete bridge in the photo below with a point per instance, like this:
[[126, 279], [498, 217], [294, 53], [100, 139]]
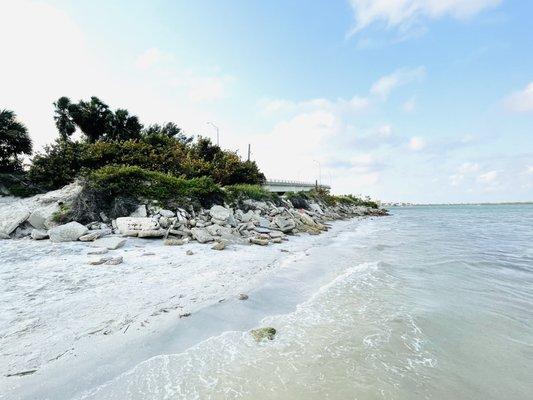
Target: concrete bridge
[[282, 186]]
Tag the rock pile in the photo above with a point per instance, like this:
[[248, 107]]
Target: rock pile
[[256, 222]]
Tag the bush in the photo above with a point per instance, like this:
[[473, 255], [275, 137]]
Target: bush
[[239, 192], [17, 184], [58, 165], [64, 160], [117, 190]]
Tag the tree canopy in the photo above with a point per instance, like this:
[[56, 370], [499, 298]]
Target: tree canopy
[[14, 141], [95, 120]]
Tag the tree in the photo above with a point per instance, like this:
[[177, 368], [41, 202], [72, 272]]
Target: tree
[[170, 129], [65, 124], [14, 141], [95, 120]]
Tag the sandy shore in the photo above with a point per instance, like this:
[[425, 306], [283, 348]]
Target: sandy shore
[[57, 310]]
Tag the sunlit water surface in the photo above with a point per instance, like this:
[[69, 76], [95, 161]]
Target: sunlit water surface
[[430, 303]]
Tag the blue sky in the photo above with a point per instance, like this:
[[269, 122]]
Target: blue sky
[[403, 100]]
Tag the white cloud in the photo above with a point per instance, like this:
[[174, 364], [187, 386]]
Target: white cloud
[[404, 14], [488, 177], [417, 143], [354, 105], [386, 84], [521, 101]]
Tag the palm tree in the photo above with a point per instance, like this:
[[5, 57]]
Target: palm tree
[[14, 141]]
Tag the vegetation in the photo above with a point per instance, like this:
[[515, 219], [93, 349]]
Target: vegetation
[[14, 142], [117, 190], [238, 192], [301, 199]]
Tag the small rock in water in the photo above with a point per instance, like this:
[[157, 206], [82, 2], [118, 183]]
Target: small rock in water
[[219, 246], [243, 296], [189, 252], [173, 242], [263, 333]]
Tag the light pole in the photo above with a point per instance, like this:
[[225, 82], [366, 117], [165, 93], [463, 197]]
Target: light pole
[[319, 172], [216, 127]]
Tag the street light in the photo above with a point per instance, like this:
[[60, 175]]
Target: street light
[[216, 127], [319, 172]]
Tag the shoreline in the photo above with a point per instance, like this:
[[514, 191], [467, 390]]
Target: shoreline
[[84, 355]]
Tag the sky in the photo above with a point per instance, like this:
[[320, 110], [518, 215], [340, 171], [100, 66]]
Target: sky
[[426, 101]]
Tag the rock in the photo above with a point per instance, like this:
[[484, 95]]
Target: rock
[[284, 224], [90, 237], [219, 246], [261, 242], [104, 217], [189, 252], [243, 296], [136, 224], [67, 233], [260, 334], [201, 235], [220, 213], [248, 216], [41, 218], [110, 243], [277, 240], [173, 242], [39, 234], [316, 208], [165, 222], [306, 219], [4, 236], [260, 229], [23, 230], [103, 250], [217, 230], [140, 212], [275, 234], [114, 261], [11, 218], [152, 233], [98, 261], [166, 213]]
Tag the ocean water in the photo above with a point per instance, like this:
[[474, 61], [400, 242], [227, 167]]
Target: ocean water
[[433, 302]]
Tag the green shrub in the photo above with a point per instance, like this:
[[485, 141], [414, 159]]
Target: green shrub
[[63, 215], [239, 192], [17, 184], [168, 191]]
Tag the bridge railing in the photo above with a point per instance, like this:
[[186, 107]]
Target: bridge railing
[[285, 182]]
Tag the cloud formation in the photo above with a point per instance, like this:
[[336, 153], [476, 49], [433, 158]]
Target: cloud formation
[[404, 14], [520, 101]]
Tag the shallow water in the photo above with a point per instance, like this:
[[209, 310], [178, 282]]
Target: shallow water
[[431, 303]]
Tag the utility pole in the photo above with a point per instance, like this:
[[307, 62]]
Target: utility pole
[[216, 127], [319, 172], [249, 151]]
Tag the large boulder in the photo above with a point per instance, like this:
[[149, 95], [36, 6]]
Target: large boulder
[[140, 212], [42, 217], [201, 235], [217, 230], [128, 224], [11, 218], [67, 233], [220, 213]]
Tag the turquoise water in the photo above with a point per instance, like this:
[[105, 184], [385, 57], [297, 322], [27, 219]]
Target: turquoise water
[[434, 302]]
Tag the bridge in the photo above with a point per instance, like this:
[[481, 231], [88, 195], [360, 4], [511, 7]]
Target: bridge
[[283, 186]]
